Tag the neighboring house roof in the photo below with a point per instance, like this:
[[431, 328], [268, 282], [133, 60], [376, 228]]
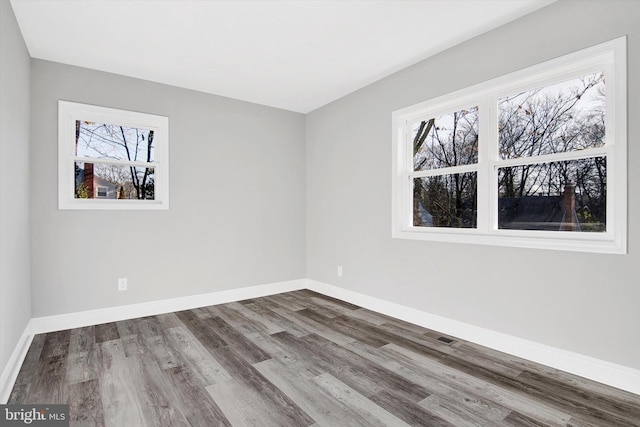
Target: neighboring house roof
[[101, 182], [531, 212]]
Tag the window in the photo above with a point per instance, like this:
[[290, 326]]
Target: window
[[445, 170], [111, 159], [533, 159], [101, 192]]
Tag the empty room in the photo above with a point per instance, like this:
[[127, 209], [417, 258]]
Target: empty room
[[320, 213]]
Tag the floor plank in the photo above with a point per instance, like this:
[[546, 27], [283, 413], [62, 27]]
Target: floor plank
[[321, 406], [195, 357], [300, 359], [374, 415], [251, 380], [120, 401], [437, 374], [85, 405], [407, 411]]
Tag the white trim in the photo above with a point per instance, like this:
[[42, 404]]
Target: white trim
[[612, 374], [113, 314], [12, 369]]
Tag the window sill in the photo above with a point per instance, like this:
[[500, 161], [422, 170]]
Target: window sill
[[557, 240]]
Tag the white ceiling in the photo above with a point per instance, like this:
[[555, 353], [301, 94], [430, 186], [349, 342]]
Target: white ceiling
[[295, 55]]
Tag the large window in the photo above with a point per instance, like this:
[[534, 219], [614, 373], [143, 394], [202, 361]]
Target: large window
[[111, 159], [535, 159]]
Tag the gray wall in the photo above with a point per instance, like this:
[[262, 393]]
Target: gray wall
[[585, 303], [237, 214], [15, 286]]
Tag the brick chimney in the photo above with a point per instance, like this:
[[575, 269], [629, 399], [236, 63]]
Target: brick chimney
[[88, 180], [569, 219]]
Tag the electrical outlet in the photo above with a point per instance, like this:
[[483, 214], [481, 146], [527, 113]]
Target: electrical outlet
[[339, 271], [122, 284]]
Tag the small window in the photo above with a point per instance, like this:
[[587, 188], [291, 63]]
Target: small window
[[533, 159], [112, 159], [102, 192]]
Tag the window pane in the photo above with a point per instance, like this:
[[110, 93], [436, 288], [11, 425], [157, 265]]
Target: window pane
[[99, 140], [448, 140], [445, 201], [558, 196], [563, 117], [107, 181]]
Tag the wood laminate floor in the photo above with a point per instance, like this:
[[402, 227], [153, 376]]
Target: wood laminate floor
[[300, 359]]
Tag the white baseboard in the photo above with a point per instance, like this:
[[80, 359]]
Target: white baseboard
[[12, 369], [112, 314], [612, 374]]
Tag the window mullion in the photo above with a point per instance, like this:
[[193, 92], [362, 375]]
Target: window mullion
[[445, 171], [487, 147], [556, 157]]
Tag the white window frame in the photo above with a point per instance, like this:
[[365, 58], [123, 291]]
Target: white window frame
[[609, 57], [68, 113]]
